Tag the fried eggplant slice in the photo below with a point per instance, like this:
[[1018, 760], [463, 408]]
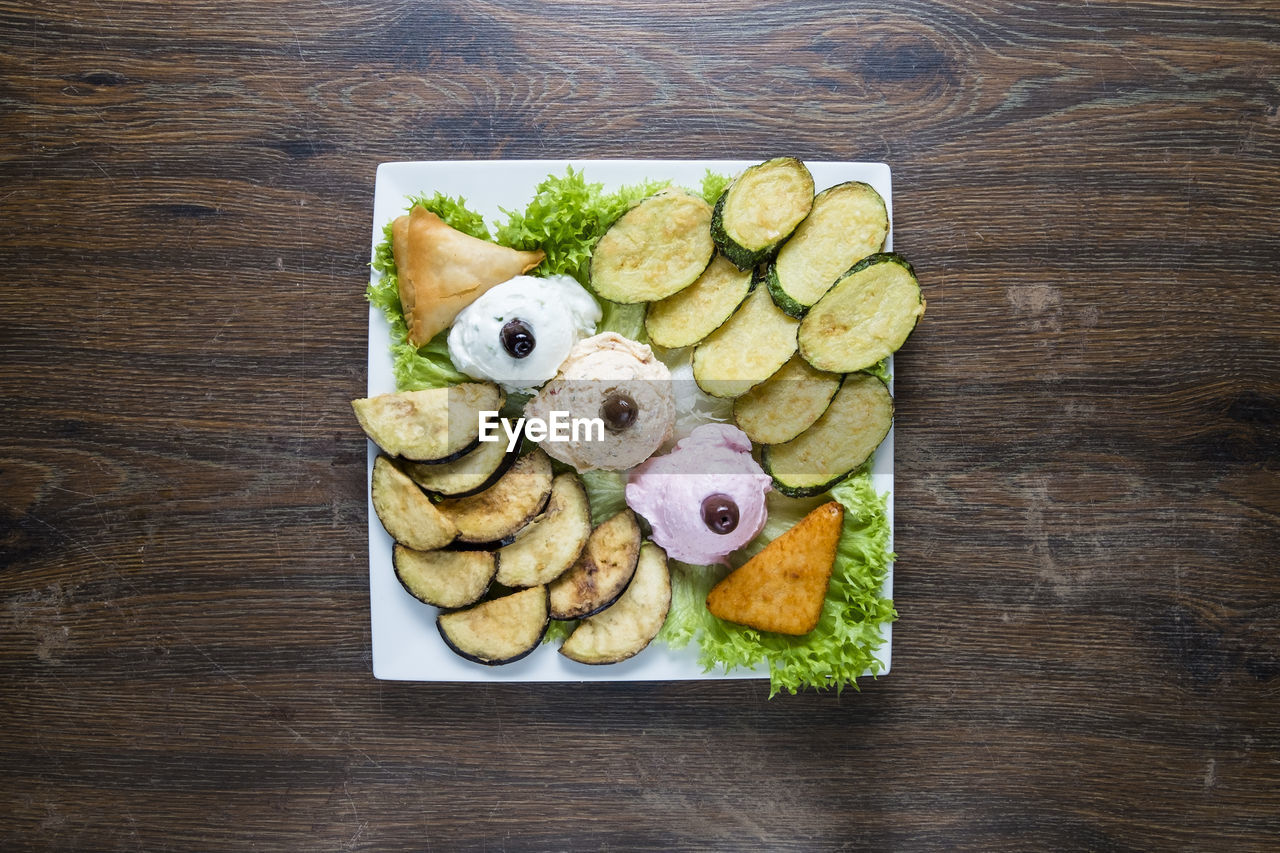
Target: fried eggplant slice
[[601, 573], [500, 630], [444, 578], [553, 541], [405, 510], [434, 425], [623, 629], [473, 472], [502, 510]]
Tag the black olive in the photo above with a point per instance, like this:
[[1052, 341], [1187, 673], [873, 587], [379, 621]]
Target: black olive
[[517, 339], [719, 513], [618, 411]]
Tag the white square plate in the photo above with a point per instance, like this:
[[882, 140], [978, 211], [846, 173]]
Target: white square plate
[[406, 644]]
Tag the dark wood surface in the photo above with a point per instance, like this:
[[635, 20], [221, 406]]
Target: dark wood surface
[[1088, 654]]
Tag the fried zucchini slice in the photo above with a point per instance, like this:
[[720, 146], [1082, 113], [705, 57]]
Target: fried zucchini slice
[[785, 404], [549, 544], [689, 316], [846, 435], [444, 578], [473, 472], [405, 510], [782, 588], [601, 573], [760, 209], [657, 248], [848, 222], [748, 349], [866, 315], [500, 630], [435, 425], [623, 629], [500, 511]]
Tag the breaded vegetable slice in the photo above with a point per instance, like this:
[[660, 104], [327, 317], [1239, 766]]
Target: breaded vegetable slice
[[748, 349], [405, 510], [849, 431], [866, 315], [474, 471], [848, 222], [550, 543], [785, 404], [655, 249], [689, 316], [434, 425], [624, 628], [498, 631], [503, 509], [601, 572], [760, 209], [782, 588], [444, 578]]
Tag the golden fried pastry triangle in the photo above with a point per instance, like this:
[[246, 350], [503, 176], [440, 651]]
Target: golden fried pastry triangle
[[442, 270], [782, 588]]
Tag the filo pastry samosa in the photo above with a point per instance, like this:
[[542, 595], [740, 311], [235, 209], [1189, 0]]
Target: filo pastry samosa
[[442, 270]]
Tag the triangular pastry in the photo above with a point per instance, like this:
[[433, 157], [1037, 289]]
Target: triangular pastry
[[442, 270], [782, 588]]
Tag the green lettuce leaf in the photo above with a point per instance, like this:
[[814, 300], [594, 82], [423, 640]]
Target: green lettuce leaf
[[604, 493], [626, 320], [558, 631], [880, 370], [713, 185], [566, 217]]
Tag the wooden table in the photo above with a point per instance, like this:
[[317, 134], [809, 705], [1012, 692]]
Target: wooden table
[[1088, 654]]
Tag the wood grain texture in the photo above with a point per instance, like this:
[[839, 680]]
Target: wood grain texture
[[1088, 655]]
